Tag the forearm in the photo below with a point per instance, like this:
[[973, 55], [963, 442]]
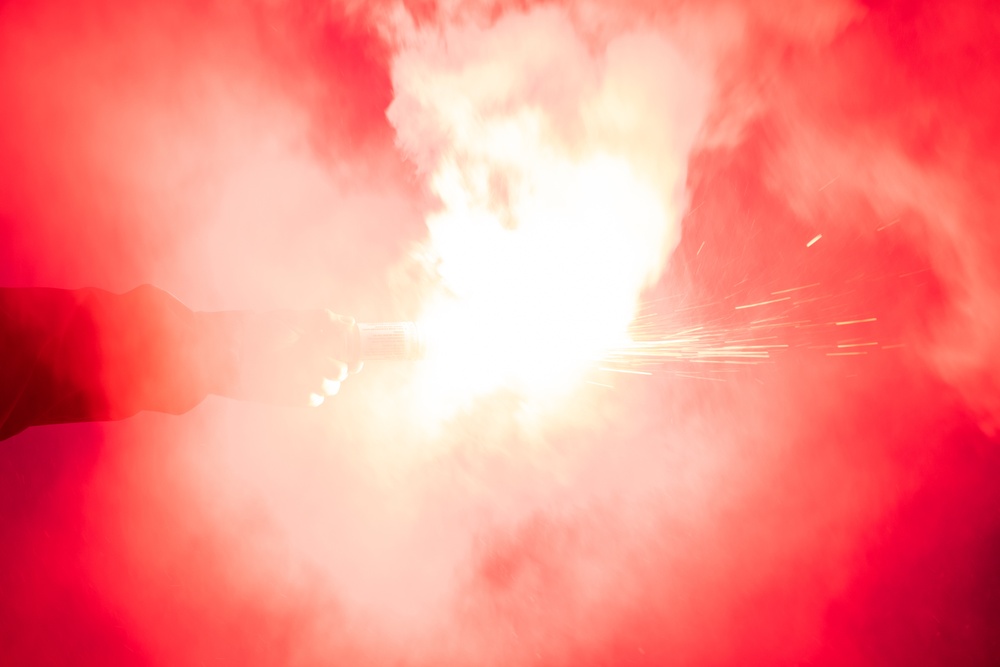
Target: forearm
[[89, 355]]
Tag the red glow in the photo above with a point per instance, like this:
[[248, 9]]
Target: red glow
[[814, 509]]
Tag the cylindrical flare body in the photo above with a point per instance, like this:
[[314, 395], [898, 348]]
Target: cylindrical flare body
[[389, 341]]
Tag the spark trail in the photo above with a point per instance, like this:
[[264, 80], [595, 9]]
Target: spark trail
[[710, 340]]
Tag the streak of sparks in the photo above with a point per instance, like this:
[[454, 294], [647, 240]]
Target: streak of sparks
[[794, 289], [663, 340], [622, 370], [814, 239], [763, 303]]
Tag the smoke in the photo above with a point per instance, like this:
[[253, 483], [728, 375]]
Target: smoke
[[560, 168], [904, 146], [525, 177]]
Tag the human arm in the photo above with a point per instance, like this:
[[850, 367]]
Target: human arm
[[90, 355]]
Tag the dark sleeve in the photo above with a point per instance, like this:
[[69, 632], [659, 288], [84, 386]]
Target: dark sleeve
[[90, 355]]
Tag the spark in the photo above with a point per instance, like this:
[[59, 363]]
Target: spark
[[698, 377], [622, 370], [763, 303], [723, 361], [794, 289], [696, 307], [846, 322], [815, 238]]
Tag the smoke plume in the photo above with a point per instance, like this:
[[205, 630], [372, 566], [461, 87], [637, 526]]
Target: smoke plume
[[811, 184]]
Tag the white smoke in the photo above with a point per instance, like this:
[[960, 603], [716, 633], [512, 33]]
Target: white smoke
[[559, 160]]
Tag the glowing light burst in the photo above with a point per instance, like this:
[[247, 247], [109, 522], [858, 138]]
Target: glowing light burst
[[559, 159], [532, 300]]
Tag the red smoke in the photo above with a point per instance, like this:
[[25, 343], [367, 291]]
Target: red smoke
[[817, 509]]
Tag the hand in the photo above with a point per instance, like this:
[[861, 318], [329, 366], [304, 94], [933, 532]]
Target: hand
[[293, 357]]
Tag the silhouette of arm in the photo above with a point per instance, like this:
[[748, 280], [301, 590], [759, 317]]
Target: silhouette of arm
[[90, 355]]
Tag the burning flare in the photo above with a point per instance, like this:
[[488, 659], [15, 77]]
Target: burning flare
[[559, 169]]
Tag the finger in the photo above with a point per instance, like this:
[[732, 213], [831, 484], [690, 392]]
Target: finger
[[331, 387], [335, 369], [344, 320], [333, 321], [336, 336]]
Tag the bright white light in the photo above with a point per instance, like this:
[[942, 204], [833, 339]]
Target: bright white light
[[560, 168]]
